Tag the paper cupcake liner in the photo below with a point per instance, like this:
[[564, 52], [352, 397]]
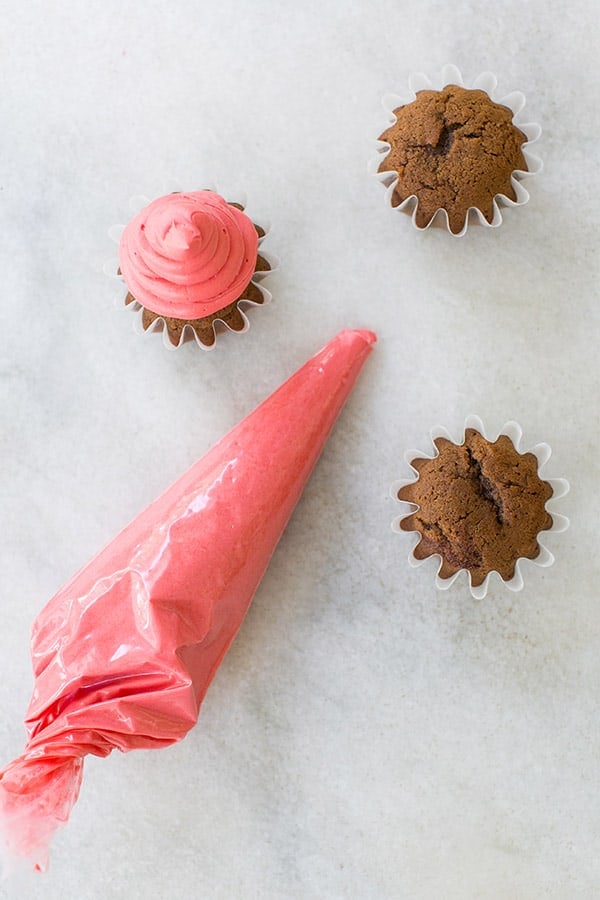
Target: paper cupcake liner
[[487, 82], [111, 269], [560, 487]]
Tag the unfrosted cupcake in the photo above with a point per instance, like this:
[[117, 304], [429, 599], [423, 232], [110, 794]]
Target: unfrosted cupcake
[[480, 506], [192, 260], [453, 150]]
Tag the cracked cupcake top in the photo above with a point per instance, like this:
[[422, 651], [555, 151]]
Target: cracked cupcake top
[[453, 149], [481, 506]]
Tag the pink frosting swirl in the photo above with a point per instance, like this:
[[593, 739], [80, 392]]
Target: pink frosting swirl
[[188, 255]]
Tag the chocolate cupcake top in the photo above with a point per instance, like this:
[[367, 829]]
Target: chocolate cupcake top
[[453, 149], [481, 506]]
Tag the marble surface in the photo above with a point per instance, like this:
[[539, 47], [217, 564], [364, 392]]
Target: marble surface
[[367, 736]]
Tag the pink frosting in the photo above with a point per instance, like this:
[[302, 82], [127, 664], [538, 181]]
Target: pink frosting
[[188, 255]]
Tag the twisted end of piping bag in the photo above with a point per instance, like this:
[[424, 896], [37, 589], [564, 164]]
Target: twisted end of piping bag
[[36, 798]]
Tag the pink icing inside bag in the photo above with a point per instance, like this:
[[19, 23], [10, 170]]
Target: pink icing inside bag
[[123, 654]]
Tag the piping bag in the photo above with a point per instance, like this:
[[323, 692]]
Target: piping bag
[[123, 654]]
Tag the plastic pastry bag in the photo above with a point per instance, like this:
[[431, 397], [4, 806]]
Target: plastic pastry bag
[[124, 653]]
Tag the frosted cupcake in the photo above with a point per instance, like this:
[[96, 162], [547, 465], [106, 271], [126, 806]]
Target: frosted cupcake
[[480, 506], [190, 261], [453, 150]]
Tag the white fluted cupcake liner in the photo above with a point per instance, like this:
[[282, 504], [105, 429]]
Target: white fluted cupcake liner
[[560, 487], [487, 82], [111, 268]]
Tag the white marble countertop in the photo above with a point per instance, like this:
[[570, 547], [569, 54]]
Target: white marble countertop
[[366, 736]]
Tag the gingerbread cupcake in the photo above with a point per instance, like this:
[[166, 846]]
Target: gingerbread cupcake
[[192, 261], [480, 505], [455, 154]]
